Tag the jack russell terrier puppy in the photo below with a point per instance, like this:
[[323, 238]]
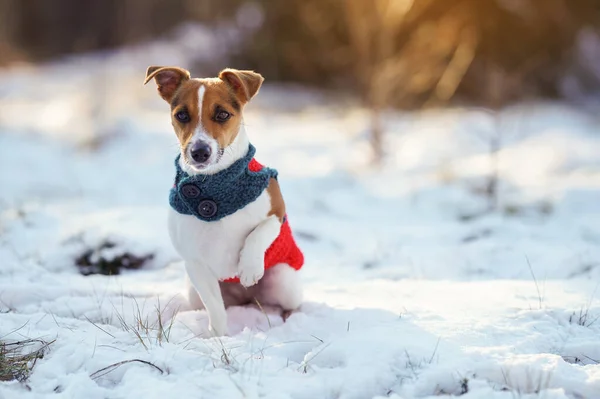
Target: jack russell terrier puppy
[[227, 218]]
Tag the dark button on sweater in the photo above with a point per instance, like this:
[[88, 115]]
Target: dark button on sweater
[[207, 208], [212, 197], [190, 191]]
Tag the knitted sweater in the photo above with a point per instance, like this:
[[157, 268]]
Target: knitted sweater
[[212, 197]]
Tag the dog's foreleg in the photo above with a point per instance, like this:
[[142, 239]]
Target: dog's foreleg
[[207, 285], [192, 295], [252, 257]]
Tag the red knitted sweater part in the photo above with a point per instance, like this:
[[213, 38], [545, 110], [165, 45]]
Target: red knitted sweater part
[[284, 249]]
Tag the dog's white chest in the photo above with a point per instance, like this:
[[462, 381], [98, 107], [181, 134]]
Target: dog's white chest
[[217, 245]]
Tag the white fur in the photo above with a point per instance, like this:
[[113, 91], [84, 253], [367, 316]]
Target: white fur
[[200, 134], [236, 150], [216, 246], [232, 246], [208, 288], [252, 257], [281, 286], [211, 251]]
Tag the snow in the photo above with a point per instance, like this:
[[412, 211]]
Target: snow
[[405, 297]]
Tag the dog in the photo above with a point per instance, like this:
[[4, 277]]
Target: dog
[[227, 218]]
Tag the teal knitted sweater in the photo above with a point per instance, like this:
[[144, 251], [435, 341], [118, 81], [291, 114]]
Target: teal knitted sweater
[[212, 197]]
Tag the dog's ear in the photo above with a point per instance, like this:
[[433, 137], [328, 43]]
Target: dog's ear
[[168, 79], [245, 84]]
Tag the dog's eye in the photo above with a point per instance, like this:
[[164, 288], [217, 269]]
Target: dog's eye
[[182, 116], [222, 116]]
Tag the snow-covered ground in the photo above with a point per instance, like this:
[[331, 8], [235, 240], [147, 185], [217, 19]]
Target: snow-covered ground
[[408, 295]]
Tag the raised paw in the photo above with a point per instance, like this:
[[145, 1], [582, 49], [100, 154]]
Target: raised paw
[[251, 267], [250, 275]]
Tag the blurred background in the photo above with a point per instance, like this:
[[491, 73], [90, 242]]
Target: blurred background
[[405, 54]]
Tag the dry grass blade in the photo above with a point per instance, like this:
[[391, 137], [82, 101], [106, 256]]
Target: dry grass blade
[[537, 287], [437, 344], [593, 360], [98, 327], [15, 330], [584, 318], [17, 359], [114, 366], [164, 332], [140, 338], [160, 334], [305, 363], [263, 312]]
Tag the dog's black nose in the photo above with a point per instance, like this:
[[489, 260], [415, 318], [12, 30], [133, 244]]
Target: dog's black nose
[[200, 152]]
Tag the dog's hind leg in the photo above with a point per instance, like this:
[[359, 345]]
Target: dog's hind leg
[[207, 286], [280, 286]]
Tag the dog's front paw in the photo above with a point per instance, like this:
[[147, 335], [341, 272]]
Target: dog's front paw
[[251, 269], [251, 276]]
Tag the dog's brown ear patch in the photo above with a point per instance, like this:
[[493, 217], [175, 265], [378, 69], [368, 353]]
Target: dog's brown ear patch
[[245, 84], [168, 79]]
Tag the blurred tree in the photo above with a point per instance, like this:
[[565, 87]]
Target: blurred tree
[[401, 53], [415, 53], [377, 62], [8, 50], [42, 29]]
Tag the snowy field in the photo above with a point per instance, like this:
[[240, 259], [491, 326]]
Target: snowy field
[[411, 291]]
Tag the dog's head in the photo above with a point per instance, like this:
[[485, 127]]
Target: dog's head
[[206, 113]]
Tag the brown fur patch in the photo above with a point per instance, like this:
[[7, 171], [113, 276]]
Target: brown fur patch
[[186, 99], [277, 203], [218, 96], [229, 93], [245, 84], [168, 79]]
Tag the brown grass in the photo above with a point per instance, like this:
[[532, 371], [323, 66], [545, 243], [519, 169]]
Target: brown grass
[[17, 359]]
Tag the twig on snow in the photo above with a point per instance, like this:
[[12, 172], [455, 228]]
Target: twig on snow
[[112, 367]]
